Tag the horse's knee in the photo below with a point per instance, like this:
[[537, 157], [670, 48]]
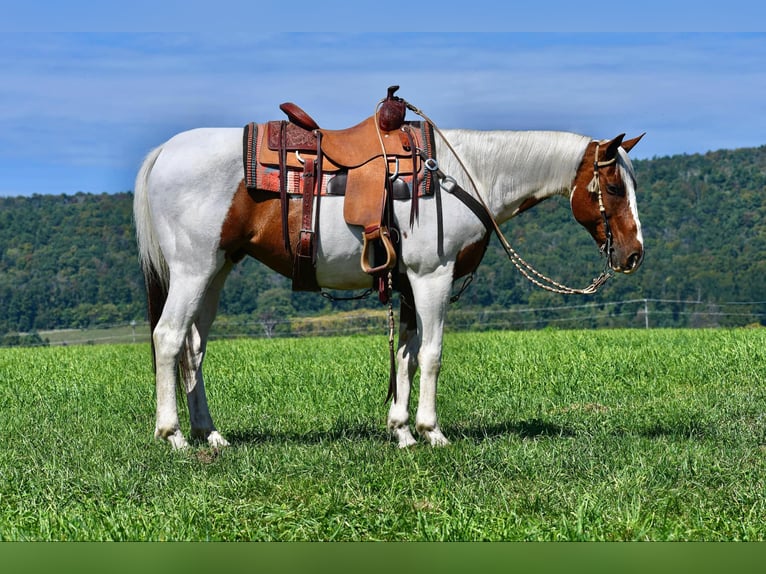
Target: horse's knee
[[430, 359]]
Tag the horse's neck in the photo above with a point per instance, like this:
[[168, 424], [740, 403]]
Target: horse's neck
[[511, 167]]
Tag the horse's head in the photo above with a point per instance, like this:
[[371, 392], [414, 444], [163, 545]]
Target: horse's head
[[604, 202]]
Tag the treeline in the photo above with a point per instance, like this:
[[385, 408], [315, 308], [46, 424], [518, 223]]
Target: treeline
[[70, 261]]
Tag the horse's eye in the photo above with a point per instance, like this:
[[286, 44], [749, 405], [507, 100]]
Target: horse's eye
[[614, 189]]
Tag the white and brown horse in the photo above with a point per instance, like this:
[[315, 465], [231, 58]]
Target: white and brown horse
[[195, 218]]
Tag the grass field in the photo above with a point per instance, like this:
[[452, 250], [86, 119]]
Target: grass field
[[556, 435]]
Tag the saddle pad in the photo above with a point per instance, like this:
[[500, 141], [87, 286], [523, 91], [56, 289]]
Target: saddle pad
[[266, 177]]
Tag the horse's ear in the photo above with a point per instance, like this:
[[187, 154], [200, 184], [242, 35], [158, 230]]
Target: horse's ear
[[628, 145], [612, 147]]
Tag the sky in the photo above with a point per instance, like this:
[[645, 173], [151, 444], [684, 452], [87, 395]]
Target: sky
[[83, 101]]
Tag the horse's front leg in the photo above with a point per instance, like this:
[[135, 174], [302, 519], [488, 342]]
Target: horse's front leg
[[407, 364], [431, 295]]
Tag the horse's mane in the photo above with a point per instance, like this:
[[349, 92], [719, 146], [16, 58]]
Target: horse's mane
[[546, 160]]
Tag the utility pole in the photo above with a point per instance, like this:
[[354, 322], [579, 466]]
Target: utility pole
[[646, 314]]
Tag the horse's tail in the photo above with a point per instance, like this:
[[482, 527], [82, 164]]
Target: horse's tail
[[153, 264]]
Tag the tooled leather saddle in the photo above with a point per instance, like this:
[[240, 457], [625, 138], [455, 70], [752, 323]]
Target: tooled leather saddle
[[371, 164]]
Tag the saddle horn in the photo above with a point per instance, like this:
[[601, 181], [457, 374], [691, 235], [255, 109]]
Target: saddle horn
[[392, 110]]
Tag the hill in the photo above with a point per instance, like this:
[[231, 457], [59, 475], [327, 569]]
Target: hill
[[69, 261]]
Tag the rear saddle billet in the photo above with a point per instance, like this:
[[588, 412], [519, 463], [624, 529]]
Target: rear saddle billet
[[371, 164]]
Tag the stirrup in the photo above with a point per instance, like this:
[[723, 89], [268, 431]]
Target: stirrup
[[372, 234]]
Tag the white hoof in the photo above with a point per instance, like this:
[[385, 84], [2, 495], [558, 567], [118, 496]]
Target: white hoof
[[177, 440], [405, 439], [435, 437], [215, 440], [213, 437], [403, 436]]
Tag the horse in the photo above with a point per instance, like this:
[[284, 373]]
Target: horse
[[195, 219]]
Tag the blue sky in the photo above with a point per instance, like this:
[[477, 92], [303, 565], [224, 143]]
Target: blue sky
[[79, 110]]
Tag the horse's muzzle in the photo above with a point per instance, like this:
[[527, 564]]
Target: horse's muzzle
[[627, 264]]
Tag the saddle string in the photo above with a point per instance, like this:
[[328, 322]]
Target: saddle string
[[391, 350], [526, 269]]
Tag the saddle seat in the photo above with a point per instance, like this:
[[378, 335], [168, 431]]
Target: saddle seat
[[348, 148], [345, 148]]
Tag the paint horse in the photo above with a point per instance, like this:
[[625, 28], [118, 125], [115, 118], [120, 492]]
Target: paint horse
[[195, 219]]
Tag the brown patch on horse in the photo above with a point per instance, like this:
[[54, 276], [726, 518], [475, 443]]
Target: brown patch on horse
[[469, 257], [585, 204], [253, 227]]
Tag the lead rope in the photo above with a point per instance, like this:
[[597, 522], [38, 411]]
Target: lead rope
[[526, 269]]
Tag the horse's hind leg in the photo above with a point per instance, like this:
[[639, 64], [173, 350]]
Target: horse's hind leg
[[181, 309], [191, 364]]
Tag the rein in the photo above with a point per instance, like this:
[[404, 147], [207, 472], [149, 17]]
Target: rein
[[480, 209]]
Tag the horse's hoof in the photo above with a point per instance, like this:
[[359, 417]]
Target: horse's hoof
[[177, 441], [212, 437], [215, 440], [435, 437], [403, 436], [407, 441]]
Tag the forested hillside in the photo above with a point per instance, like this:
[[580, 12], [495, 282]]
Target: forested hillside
[[67, 261], [70, 261]]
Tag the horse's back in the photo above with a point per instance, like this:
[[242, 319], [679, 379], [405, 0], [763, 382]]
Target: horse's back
[[212, 153]]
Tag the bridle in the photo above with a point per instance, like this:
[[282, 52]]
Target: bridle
[[595, 187]]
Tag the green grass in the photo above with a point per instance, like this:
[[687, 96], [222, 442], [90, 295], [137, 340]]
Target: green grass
[[571, 435]]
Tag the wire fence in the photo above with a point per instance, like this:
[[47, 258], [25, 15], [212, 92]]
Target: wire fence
[[632, 313]]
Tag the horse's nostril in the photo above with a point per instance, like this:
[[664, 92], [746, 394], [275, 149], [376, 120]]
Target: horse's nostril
[[634, 261]]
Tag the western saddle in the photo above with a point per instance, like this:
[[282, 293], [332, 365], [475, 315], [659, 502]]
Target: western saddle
[[371, 163]]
